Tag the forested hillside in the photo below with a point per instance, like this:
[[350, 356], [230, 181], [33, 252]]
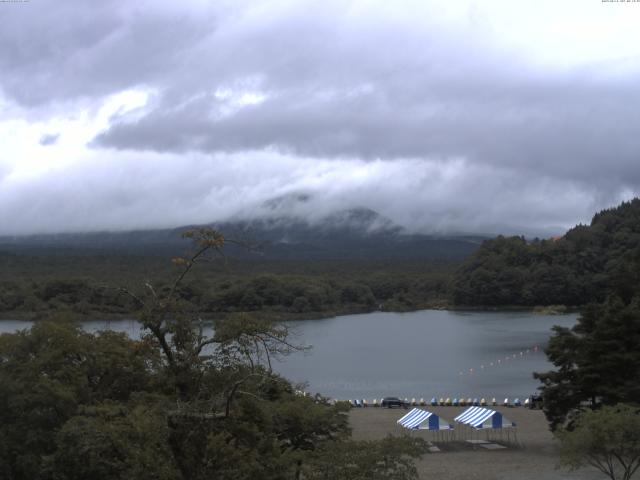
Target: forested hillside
[[351, 261], [37, 286], [345, 235], [581, 267]]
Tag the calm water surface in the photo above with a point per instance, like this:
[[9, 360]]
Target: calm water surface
[[424, 354], [418, 354]]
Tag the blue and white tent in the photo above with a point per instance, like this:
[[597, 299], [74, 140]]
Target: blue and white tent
[[418, 419], [482, 418]]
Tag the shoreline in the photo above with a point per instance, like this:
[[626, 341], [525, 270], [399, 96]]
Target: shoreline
[[19, 315]]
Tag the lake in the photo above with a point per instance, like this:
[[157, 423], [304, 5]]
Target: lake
[[417, 354]]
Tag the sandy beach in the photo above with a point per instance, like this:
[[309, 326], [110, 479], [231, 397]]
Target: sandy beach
[[532, 457]]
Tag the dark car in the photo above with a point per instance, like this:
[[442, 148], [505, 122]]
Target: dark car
[[390, 402], [535, 402]]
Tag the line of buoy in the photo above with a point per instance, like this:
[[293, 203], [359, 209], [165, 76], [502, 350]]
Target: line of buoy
[[500, 361]]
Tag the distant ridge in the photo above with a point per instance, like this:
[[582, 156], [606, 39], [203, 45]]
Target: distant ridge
[[357, 233]]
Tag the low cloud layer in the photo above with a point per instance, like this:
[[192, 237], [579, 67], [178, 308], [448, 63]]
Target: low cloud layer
[[477, 118], [148, 191]]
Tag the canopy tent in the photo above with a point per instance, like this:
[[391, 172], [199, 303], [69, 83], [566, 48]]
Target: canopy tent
[[479, 417], [418, 419]]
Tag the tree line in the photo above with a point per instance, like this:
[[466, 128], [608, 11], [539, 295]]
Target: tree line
[[299, 291], [592, 396], [583, 266]]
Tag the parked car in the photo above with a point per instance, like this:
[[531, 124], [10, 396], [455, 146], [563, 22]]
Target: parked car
[[535, 402], [390, 402]]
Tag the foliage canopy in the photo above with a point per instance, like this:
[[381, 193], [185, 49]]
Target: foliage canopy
[[597, 361], [584, 266], [607, 439], [174, 404]]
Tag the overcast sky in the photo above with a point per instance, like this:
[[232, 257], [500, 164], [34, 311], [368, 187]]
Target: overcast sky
[[457, 116]]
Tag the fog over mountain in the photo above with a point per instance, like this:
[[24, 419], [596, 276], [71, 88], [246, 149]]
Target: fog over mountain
[[443, 117], [355, 234]]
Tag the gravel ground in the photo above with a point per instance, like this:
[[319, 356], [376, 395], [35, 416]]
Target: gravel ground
[[532, 457]]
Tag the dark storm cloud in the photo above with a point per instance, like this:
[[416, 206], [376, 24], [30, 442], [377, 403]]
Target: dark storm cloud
[[363, 87], [366, 90], [547, 128], [52, 51], [438, 125]]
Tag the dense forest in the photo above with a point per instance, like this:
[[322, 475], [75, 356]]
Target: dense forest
[[38, 285], [582, 267], [354, 261], [590, 396]]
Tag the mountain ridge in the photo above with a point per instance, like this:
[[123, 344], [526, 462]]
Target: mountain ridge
[[343, 234]]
